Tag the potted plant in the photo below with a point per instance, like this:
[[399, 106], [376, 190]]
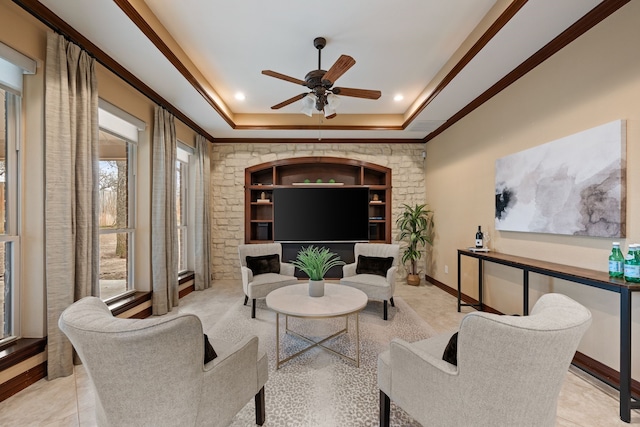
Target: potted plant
[[415, 226], [315, 262]]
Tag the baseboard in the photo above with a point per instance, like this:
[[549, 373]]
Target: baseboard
[[22, 381], [591, 366]]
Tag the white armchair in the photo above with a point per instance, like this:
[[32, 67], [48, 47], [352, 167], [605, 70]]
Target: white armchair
[[272, 274], [509, 369], [151, 372], [374, 271]]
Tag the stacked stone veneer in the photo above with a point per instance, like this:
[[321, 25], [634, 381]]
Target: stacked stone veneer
[[228, 162]]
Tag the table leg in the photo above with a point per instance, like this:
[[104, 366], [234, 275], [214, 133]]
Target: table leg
[[357, 340], [625, 355], [480, 283], [525, 292], [459, 280], [277, 340]]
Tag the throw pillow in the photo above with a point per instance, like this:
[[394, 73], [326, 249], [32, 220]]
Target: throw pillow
[[264, 264], [373, 265], [209, 352], [451, 350]]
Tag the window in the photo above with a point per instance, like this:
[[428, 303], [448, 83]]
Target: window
[[183, 202], [13, 66], [9, 239], [117, 148]]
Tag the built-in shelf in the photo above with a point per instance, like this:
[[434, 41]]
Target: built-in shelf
[[262, 179]]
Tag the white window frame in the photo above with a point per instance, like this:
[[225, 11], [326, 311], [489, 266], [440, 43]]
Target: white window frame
[[185, 155], [122, 125], [13, 66], [11, 236]]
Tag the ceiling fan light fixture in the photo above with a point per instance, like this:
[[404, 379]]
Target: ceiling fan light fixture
[[308, 104], [333, 101], [332, 104]]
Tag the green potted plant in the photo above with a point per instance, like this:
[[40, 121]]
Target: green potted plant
[[415, 226], [315, 262]]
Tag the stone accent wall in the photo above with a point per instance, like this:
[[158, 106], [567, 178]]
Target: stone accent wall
[[228, 162]]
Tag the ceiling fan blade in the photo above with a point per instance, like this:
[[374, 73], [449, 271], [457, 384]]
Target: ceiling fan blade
[[289, 101], [357, 93], [283, 77], [337, 69]]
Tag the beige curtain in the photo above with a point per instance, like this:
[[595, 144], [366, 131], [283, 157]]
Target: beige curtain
[[164, 242], [71, 189], [202, 228]]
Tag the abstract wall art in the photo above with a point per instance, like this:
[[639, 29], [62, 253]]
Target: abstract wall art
[[575, 185]]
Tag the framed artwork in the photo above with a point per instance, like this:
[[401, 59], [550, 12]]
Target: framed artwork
[[574, 185]]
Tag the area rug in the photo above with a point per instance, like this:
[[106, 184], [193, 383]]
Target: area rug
[[319, 388]]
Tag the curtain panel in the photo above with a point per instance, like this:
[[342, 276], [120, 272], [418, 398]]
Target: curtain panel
[[164, 241], [202, 230], [71, 189]]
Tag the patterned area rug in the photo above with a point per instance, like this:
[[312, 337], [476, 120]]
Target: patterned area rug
[[319, 388]]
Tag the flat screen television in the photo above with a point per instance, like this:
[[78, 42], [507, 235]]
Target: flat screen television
[[321, 214]]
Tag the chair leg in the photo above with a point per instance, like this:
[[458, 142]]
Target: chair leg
[[384, 313], [260, 409], [385, 409], [253, 308], [393, 304], [246, 298]]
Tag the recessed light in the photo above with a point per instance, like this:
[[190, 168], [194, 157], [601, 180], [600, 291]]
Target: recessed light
[[398, 98], [240, 96]]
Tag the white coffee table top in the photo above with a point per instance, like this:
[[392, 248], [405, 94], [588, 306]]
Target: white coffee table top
[[338, 300]]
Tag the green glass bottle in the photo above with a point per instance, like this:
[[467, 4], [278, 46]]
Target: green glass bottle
[[616, 261], [635, 272], [632, 265]]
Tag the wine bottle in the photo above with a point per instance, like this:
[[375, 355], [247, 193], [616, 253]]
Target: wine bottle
[[479, 239]]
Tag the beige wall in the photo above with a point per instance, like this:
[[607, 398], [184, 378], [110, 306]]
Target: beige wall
[[27, 35], [228, 162], [593, 81]]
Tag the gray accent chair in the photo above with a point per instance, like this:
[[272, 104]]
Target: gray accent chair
[[260, 285], [151, 372], [509, 369], [376, 287]]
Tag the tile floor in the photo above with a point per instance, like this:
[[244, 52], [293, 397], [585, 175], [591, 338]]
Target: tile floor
[[69, 401]]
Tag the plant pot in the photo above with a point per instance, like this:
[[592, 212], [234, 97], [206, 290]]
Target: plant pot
[[316, 288], [413, 279]]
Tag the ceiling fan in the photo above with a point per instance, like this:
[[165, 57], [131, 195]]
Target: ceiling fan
[[323, 95]]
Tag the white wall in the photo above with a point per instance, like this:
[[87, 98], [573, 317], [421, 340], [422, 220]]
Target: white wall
[[594, 80]]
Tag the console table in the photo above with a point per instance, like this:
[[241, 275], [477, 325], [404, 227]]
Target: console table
[[583, 276]]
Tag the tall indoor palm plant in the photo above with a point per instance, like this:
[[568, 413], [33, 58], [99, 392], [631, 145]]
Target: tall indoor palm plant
[[415, 225]]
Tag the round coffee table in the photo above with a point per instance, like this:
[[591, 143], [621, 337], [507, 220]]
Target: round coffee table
[[338, 301]]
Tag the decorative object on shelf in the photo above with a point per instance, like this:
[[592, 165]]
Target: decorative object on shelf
[[318, 183], [315, 262], [263, 198], [479, 238], [474, 249], [332, 181], [416, 230], [375, 197]]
